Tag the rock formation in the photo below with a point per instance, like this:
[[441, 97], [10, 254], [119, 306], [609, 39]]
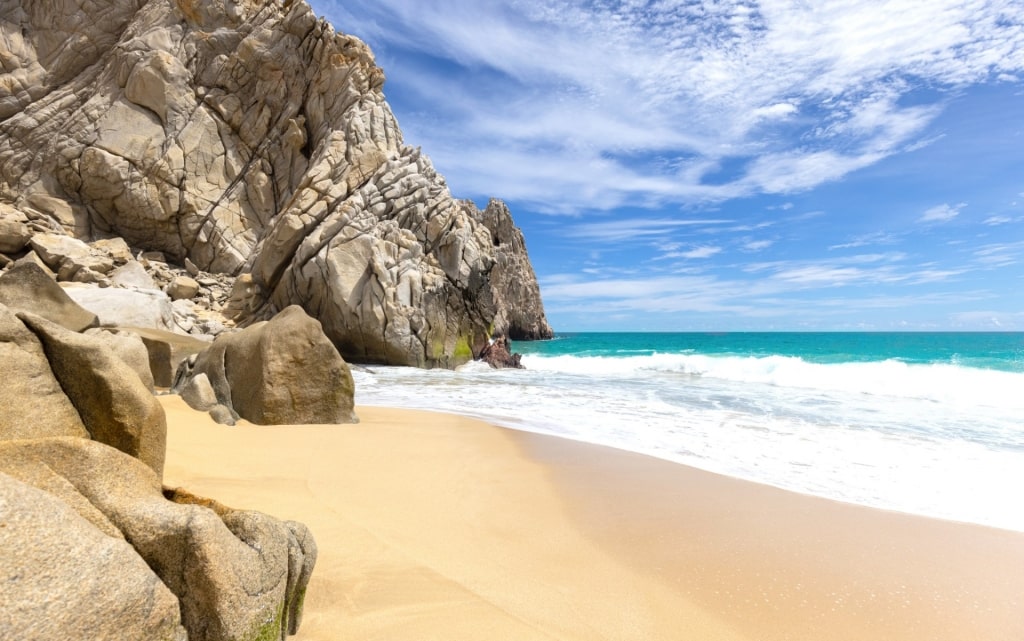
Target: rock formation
[[499, 355], [277, 372], [248, 137], [91, 546]]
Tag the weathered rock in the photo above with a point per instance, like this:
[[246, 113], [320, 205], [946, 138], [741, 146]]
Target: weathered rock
[[182, 288], [114, 404], [128, 346], [32, 403], [132, 275], [517, 295], [126, 307], [250, 137], [166, 352], [67, 256], [25, 286], [14, 230], [282, 371], [499, 355], [223, 415], [63, 578], [115, 248], [237, 575]]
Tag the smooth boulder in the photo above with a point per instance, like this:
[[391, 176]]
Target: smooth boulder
[[281, 371], [32, 403]]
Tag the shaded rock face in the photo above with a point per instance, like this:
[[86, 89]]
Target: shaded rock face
[[115, 405], [277, 372], [249, 137], [499, 355], [520, 310]]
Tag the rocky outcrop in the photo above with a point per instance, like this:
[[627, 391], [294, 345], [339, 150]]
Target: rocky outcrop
[[236, 575], [499, 355], [91, 546], [113, 403], [277, 372], [520, 310], [251, 138], [32, 403]]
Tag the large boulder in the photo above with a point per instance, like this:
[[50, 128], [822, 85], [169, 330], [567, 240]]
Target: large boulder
[[113, 403], [87, 584], [32, 403], [114, 307], [250, 137], [237, 575], [14, 230], [27, 286], [282, 371]]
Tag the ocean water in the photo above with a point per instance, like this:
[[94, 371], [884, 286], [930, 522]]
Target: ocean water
[[925, 423]]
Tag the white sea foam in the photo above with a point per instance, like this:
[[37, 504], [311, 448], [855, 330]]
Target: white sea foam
[[939, 440]]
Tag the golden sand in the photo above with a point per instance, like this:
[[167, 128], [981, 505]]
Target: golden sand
[[434, 526]]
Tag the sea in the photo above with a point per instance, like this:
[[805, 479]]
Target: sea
[[923, 423]]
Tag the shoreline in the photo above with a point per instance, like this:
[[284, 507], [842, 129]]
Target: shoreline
[[438, 526]]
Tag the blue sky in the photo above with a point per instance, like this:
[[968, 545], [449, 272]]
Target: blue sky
[[732, 165]]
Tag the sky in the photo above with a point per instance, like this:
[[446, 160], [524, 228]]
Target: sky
[[733, 165]]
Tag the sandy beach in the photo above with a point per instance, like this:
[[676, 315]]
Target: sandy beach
[[435, 526]]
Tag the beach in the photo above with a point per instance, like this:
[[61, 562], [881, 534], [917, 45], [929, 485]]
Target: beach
[[437, 526]]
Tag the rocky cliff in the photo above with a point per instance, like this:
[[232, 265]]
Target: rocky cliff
[[249, 138]]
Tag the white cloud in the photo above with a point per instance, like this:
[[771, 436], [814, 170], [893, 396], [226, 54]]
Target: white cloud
[[757, 245], [698, 253], [942, 213], [553, 100], [636, 229]]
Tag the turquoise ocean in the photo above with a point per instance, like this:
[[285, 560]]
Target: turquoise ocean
[[925, 423]]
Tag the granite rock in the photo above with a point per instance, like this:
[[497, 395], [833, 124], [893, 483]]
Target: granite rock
[[90, 584], [237, 575], [32, 403], [281, 371]]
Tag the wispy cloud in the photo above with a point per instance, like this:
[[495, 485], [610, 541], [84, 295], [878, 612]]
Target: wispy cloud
[[942, 213], [553, 99], [633, 229]]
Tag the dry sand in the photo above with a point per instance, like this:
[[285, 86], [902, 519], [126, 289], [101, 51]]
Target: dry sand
[[433, 526]]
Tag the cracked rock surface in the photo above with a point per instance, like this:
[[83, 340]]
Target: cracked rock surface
[[250, 138]]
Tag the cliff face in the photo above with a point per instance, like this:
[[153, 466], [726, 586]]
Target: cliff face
[[251, 138]]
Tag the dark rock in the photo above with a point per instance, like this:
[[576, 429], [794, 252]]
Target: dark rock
[[499, 355]]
